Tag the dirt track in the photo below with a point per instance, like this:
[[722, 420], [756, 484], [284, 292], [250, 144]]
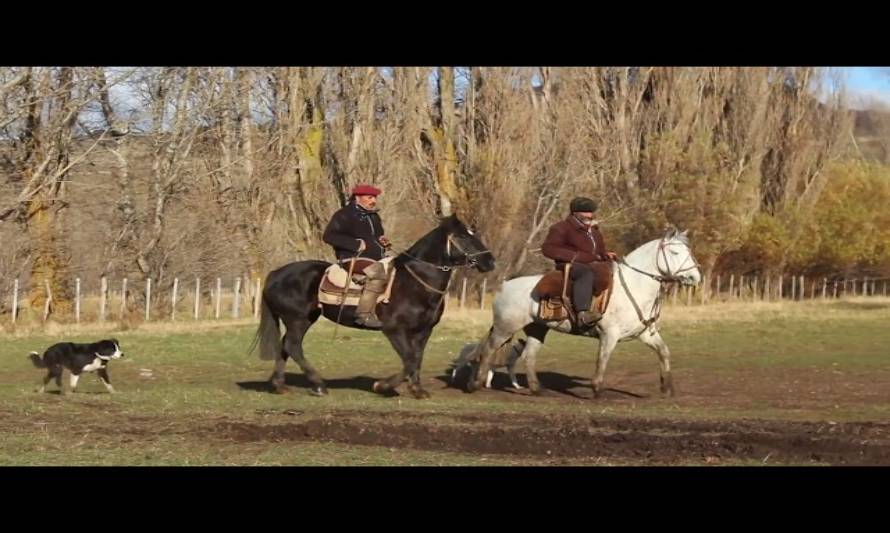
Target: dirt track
[[584, 440], [573, 438]]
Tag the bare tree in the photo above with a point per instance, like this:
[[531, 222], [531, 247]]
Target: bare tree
[[41, 107]]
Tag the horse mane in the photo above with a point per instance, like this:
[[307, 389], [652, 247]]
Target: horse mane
[[427, 242]]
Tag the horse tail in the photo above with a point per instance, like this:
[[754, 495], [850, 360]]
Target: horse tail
[[268, 334]]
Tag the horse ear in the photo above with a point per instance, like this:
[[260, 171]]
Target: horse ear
[[671, 232], [448, 221]]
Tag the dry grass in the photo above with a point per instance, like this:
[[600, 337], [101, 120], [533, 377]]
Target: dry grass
[[851, 308], [860, 307]]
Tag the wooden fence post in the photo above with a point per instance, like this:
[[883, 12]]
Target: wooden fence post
[[123, 297], [257, 297], [482, 294], [103, 296], [173, 304], [237, 301], [197, 296], [49, 300], [147, 299], [15, 300], [77, 300], [218, 296]]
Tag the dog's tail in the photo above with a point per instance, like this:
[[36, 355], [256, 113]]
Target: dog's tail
[[35, 358]]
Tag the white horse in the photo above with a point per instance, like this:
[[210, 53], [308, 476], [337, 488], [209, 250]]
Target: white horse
[[638, 280]]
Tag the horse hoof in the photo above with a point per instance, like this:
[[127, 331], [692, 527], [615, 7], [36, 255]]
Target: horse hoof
[[537, 391], [318, 390], [472, 385], [420, 394], [667, 386]]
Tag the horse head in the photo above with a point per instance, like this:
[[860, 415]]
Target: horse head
[[675, 259], [464, 246]]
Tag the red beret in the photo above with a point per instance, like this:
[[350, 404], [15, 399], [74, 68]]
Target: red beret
[[364, 189]]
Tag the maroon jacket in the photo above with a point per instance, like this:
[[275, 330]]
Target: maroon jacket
[[569, 241]]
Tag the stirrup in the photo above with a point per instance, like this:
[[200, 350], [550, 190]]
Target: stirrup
[[592, 317], [369, 320]]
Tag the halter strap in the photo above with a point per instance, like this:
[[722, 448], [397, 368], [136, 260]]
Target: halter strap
[[427, 285], [656, 307], [661, 277], [446, 268]]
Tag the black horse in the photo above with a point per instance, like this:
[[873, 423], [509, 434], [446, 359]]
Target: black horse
[[421, 280]]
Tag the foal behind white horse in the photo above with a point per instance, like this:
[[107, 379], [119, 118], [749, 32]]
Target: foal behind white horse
[[638, 283]]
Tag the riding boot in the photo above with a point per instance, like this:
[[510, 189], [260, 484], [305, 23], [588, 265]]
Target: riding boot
[[374, 287]]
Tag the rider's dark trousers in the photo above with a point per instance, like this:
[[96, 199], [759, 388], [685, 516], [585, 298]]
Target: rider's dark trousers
[[582, 287]]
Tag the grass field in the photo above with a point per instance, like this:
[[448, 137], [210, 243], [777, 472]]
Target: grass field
[[768, 383]]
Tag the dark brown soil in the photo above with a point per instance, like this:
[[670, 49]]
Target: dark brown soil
[[583, 440]]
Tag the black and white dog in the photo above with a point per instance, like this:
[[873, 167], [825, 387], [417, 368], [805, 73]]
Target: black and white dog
[[504, 357], [77, 358]]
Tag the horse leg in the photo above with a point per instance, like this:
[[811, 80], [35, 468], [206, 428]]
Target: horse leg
[[492, 342], [415, 387], [293, 346], [511, 370], [403, 346], [277, 378], [536, 334], [608, 340], [654, 341]]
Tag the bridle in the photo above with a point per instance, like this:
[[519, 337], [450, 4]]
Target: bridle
[[469, 261], [662, 277], [665, 275], [468, 258]]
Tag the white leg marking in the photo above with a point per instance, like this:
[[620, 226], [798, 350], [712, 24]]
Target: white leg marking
[[107, 385]]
